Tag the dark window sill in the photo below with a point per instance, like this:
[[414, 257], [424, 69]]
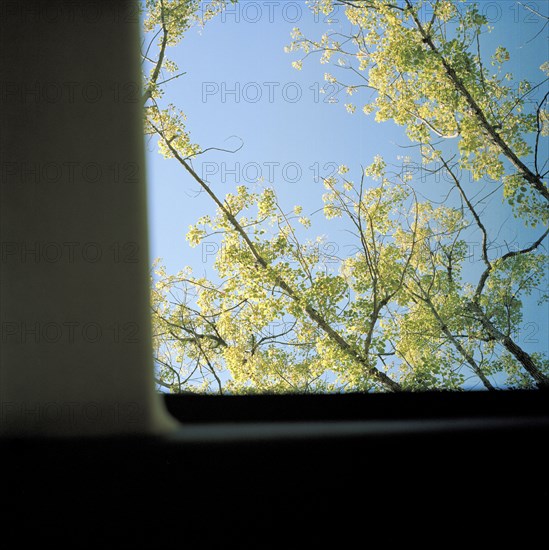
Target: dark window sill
[[242, 469], [352, 407]]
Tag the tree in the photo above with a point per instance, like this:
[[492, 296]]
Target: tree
[[401, 312]]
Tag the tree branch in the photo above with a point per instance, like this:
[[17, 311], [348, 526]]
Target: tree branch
[[378, 375], [532, 178]]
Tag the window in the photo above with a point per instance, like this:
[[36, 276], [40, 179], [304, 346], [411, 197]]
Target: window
[[375, 222], [73, 364]]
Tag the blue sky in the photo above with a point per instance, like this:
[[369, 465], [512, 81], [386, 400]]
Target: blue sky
[[289, 136], [240, 89]]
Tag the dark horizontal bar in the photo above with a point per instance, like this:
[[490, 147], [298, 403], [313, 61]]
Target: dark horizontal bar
[[190, 408]]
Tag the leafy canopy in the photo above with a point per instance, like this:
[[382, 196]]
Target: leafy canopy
[[403, 310]]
